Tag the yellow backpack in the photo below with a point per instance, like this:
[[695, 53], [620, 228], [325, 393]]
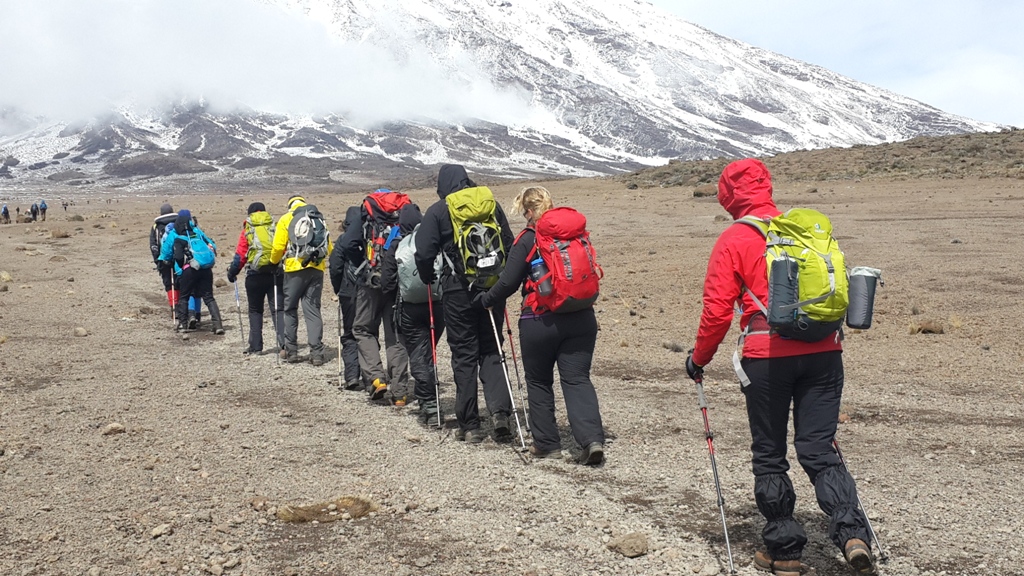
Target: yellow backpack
[[259, 233], [477, 235]]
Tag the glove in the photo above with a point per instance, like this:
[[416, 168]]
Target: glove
[[232, 276], [162, 265], [478, 301], [693, 370]]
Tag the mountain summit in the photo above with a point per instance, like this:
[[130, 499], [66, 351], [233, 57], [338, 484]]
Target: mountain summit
[[574, 87]]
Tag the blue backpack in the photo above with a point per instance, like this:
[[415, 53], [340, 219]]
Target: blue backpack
[[201, 255]]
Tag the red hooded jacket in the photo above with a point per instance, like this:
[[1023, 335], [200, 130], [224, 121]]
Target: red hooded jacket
[[737, 260]]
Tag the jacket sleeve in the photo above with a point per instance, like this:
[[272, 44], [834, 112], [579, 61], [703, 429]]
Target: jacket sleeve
[[280, 238], [350, 244], [731, 260], [167, 248], [154, 247], [242, 249], [336, 266], [389, 270], [517, 268], [428, 244], [507, 237]]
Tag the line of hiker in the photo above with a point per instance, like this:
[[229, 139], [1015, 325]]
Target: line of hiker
[[450, 270], [36, 212]]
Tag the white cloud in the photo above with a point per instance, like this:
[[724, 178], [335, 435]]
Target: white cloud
[[74, 58]]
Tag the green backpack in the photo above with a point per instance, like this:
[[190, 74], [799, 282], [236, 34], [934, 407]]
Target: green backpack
[[808, 292], [259, 233], [477, 235]]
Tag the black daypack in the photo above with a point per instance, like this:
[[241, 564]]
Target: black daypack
[[308, 235]]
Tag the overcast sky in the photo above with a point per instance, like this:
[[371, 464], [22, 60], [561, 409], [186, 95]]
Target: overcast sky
[[961, 56]]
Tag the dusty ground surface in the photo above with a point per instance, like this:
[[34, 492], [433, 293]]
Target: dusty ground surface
[[214, 444]]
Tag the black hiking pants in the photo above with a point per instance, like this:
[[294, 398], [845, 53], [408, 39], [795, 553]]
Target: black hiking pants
[[349, 346], [197, 283], [474, 353], [260, 288], [813, 385], [414, 333], [565, 340]]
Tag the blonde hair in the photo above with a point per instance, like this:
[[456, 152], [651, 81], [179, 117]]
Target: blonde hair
[[536, 198]]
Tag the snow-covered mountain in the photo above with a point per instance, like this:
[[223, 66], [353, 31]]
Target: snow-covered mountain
[[599, 86]]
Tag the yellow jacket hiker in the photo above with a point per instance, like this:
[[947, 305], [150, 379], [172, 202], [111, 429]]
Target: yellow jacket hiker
[[303, 241], [281, 243]]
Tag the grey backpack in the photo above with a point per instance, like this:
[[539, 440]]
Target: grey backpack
[[410, 288]]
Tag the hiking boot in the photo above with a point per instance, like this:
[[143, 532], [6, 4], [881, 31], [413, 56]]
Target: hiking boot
[[501, 427], [251, 352], [428, 413], [291, 356], [282, 354], [379, 389], [217, 328], [474, 436], [193, 323], [353, 385], [316, 359], [539, 454], [181, 327], [400, 402], [593, 454], [762, 561], [858, 556]]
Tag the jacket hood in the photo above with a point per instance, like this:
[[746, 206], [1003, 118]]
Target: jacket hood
[[183, 222], [745, 189], [256, 207], [166, 208], [408, 217], [452, 178], [353, 215]]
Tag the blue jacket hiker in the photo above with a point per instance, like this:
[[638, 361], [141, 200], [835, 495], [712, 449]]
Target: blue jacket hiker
[[192, 254]]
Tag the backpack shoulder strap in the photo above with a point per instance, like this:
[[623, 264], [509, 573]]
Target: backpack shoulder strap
[[758, 224]]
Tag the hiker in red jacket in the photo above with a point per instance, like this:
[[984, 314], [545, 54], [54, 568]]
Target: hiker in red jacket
[[781, 372]]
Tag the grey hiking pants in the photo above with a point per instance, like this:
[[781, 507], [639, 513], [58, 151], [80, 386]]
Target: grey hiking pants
[[372, 309], [306, 285]]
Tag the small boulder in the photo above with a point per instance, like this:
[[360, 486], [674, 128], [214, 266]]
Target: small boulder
[[5, 276], [81, 332], [220, 283], [162, 530], [630, 545], [113, 428]]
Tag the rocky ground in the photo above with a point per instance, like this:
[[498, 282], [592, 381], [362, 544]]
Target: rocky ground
[[130, 450]]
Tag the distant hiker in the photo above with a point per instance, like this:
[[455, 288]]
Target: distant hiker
[[6, 215], [470, 268], [194, 303], [262, 279], [192, 253], [411, 316], [365, 246], [65, 205], [42, 210], [34, 211], [302, 240], [551, 332], [343, 281], [782, 372], [156, 239]]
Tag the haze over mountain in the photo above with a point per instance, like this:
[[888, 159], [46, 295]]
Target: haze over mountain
[[391, 88]]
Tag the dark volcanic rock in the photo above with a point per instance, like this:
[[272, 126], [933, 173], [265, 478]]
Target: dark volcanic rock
[[155, 164]]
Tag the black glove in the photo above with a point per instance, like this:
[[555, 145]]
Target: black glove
[[692, 370], [162, 265], [478, 301], [232, 276]]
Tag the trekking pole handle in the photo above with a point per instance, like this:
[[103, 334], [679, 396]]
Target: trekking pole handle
[[702, 401]]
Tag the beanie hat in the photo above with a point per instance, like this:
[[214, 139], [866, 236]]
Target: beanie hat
[[165, 208], [256, 207], [295, 199]]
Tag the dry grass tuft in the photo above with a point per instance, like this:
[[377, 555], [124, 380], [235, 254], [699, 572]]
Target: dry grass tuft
[[926, 327], [354, 506]]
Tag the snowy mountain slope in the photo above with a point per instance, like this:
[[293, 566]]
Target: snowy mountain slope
[[605, 85]]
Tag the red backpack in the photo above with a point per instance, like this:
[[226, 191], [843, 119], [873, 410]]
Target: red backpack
[[380, 227], [564, 244]]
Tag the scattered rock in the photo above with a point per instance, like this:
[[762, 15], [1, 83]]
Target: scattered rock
[[113, 428], [94, 571], [705, 190], [71, 278], [927, 327], [220, 283], [58, 258], [986, 347], [76, 218], [4, 288], [722, 218], [844, 418], [673, 346], [162, 530], [956, 241], [353, 506], [80, 332], [629, 545], [5, 276], [812, 190]]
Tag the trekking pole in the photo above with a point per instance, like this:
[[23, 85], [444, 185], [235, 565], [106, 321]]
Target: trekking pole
[[238, 306], [702, 403], [433, 353], [874, 537], [277, 325], [515, 363], [508, 381], [341, 369], [174, 306]]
